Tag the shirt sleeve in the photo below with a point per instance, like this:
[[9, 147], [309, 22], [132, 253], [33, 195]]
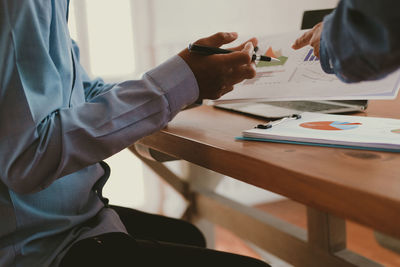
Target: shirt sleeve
[[46, 131], [361, 41], [72, 138]]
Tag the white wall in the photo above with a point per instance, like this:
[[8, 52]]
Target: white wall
[[180, 22]]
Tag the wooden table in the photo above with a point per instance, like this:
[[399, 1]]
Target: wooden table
[[335, 184]]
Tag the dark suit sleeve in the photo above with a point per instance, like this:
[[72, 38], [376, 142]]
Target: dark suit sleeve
[[361, 40]]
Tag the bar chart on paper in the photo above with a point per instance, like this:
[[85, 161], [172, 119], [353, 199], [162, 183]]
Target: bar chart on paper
[[310, 56], [301, 67], [309, 70], [299, 76]]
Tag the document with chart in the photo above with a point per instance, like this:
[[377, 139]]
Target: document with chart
[[299, 76], [356, 132]]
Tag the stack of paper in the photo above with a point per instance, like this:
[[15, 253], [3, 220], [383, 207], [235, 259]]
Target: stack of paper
[[333, 130]]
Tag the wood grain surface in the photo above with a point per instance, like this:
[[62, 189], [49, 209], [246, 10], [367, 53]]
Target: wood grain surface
[[363, 186]]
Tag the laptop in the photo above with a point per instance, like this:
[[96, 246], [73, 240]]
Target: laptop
[[279, 109]]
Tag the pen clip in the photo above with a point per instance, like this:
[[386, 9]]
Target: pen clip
[[276, 122]]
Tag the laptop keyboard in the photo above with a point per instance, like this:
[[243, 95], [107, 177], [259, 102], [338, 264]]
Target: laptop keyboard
[[310, 106]]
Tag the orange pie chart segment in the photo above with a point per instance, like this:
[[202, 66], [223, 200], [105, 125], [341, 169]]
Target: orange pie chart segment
[[330, 125]]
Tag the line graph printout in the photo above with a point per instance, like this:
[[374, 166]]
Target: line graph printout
[[299, 76]]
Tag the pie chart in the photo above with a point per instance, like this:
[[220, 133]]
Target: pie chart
[[330, 125]]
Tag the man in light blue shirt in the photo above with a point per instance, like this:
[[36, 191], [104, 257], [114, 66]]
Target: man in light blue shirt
[[359, 41], [56, 127]]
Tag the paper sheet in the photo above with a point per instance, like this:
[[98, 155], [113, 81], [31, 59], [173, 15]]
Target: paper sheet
[[299, 76]]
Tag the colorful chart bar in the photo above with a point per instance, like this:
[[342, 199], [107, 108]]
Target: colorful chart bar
[[310, 56]]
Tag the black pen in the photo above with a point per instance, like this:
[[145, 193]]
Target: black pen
[[209, 50]]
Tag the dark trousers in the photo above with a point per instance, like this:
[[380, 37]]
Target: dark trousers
[[153, 240]]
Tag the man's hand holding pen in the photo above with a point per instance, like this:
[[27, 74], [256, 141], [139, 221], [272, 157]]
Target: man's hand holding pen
[[216, 74]]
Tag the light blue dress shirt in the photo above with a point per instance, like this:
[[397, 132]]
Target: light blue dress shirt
[[56, 125], [361, 40]]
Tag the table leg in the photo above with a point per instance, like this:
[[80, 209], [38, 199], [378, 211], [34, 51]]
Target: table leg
[[324, 244], [326, 231]]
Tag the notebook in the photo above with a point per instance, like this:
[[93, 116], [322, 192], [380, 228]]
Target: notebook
[[317, 129]]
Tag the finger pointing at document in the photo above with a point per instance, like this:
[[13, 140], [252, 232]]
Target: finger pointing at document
[[311, 37]]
